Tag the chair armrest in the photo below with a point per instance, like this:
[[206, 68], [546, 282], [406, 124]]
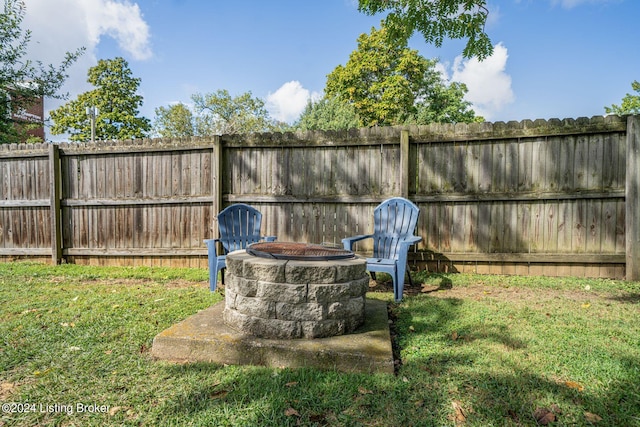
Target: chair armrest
[[411, 240], [406, 243], [348, 242], [211, 246]]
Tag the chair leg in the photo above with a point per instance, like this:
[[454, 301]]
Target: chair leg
[[398, 283], [213, 264], [409, 274], [213, 273], [222, 275]]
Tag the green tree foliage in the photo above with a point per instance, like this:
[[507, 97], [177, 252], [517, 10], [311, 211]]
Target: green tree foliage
[[219, 113], [436, 20], [174, 121], [389, 84], [327, 114], [439, 103], [117, 101], [630, 103], [23, 81]]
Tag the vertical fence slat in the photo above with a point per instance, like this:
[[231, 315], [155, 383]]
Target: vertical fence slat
[[632, 193], [54, 193]]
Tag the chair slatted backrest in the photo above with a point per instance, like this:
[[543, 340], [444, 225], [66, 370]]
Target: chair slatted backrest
[[239, 226], [395, 220]]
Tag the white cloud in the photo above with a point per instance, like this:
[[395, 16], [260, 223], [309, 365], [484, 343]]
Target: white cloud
[[488, 83], [85, 22], [60, 26], [286, 103], [123, 22]]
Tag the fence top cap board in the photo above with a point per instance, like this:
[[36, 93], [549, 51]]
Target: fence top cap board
[[374, 135], [515, 129], [434, 132]]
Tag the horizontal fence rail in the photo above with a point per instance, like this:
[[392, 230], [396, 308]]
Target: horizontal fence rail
[[553, 197]]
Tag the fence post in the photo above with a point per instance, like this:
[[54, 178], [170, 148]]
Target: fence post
[[404, 164], [54, 205], [216, 184], [632, 199]]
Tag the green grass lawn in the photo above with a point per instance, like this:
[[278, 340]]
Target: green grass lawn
[[474, 351]]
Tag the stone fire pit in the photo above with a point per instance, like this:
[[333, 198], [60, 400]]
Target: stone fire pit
[[272, 296]]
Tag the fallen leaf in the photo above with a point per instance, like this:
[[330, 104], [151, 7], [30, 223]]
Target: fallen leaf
[[363, 390], [586, 305], [318, 419], [291, 384], [575, 385], [454, 335], [544, 416], [219, 394], [108, 351], [592, 418], [458, 413], [412, 329], [114, 410], [290, 412]]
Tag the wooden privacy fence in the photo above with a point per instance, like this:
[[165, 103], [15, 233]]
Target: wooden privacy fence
[[556, 197]]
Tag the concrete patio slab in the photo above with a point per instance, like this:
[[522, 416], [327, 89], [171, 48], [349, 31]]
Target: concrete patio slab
[[204, 337]]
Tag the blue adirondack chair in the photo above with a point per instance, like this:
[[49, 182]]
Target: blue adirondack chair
[[239, 226], [395, 220]]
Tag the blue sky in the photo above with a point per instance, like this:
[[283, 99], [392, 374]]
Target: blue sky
[[552, 59]]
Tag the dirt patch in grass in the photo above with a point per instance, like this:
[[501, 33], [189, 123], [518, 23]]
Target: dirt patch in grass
[[6, 390], [506, 294]]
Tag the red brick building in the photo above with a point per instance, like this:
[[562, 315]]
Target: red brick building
[[33, 114]]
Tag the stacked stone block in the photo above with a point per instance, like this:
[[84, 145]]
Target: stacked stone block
[[287, 299]]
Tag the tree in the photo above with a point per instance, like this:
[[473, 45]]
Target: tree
[[219, 113], [439, 103], [23, 81], [436, 20], [327, 114], [381, 79], [174, 121], [117, 102], [388, 84], [630, 103]]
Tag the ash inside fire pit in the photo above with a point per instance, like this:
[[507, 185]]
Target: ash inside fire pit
[[297, 251]]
